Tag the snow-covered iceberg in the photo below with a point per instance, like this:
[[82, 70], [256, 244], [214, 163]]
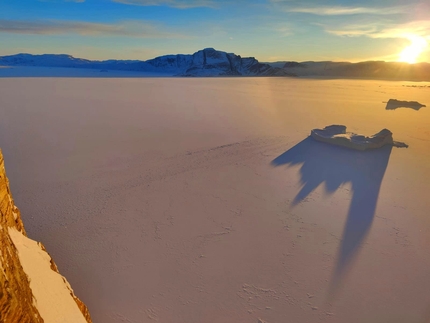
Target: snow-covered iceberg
[[337, 135]]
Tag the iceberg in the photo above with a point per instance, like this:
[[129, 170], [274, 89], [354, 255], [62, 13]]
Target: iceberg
[[337, 135], [394, 104]]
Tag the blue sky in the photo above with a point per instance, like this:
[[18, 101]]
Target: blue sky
[[269, 30]]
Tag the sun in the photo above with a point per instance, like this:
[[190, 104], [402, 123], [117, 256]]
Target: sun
[[411, 53]]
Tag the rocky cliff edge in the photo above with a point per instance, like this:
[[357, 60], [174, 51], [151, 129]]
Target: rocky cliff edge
[[31, 288]]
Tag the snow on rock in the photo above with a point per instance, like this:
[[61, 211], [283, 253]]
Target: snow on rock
[[337, 135], [31, 289], [50, 290]]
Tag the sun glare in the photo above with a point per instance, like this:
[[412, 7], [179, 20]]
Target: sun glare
[[411, 53]]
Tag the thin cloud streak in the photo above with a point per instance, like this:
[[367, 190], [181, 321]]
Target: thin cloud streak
[[180, 4], [56, 27], [58, 1], [418, 28], [353, 30], [340, 10]]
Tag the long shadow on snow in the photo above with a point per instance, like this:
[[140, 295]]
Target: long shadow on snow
[[334, 166]]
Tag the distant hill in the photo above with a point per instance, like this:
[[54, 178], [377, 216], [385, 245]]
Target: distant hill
[[366, 70], [206, 62], [211, 62]]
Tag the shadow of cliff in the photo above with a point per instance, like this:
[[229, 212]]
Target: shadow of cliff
[[334, 166]]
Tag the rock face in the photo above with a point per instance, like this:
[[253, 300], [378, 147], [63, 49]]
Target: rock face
[[206, 62], [209, 62], [31, 289]]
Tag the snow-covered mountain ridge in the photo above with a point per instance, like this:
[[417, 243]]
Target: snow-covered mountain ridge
[[206, 62]]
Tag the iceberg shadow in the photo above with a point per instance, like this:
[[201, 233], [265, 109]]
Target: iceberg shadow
[[334, 166]]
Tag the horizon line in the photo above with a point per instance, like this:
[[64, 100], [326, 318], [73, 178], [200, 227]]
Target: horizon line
[[260, 61]]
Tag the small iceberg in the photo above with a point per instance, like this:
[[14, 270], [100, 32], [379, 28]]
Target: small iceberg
[[337, 135], [393, 104]]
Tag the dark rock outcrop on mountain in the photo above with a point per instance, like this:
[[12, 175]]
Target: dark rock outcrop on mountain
[[208, 62]]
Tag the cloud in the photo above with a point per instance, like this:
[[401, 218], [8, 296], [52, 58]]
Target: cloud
[[353, 30], [418, 28], [181, 4], [54, 27], [391, 30], [284, 31], [56, 1], [341, 10]]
